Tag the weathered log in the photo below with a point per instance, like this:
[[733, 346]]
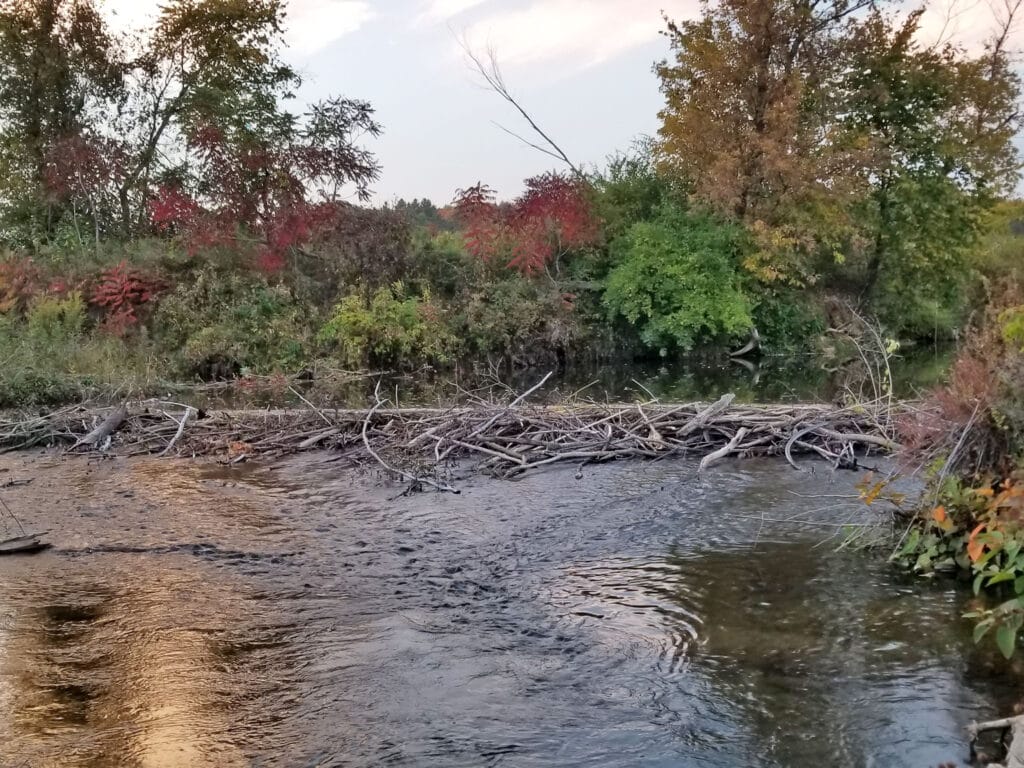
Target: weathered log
[[23, 545], [722, 452], [106, 428], [1015, 751]]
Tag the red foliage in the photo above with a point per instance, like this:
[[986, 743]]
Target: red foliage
[[172, 209], [553, 216], [254, 201], [122, 293], [20, 281], [84, 167]]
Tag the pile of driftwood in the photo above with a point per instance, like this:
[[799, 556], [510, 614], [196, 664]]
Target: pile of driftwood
[[420, 444]]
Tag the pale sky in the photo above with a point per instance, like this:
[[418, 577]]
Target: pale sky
[[583, 68]]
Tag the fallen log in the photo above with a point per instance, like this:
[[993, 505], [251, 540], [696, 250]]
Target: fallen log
[[105, 429], [1015, 750], [722, 452], [23, 545]]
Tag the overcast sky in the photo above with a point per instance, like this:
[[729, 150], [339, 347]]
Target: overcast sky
[[582, 67]]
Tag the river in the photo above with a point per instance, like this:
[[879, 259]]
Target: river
[[298, 614]]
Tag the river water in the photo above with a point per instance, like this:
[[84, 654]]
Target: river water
[[298, 614]]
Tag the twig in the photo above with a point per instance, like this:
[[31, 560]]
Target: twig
[[178, 434]]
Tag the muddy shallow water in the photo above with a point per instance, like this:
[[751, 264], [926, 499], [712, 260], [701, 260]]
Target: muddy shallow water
[[297, 615]]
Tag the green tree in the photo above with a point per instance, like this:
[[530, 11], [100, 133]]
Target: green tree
[[748, 122], [676, 281], [58, 71], [936, 129], [848, 149]]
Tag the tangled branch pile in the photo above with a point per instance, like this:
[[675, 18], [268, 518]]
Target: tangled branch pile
[[421, 444]]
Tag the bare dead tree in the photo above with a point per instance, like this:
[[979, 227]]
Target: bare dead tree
[[486, 65], [952, 12]]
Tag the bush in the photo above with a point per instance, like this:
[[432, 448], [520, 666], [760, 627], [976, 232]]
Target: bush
[[227, 324], [391, 328], [786, 321], [53, 322], [977, 524], [675, 280], [527, 322]]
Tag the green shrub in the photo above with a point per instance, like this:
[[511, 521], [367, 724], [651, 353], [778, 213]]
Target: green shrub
[[222, 324], [52, 321], [1000, 248], [787, 321], [440, 265], [675, 280], [391, 328], [526, 321]]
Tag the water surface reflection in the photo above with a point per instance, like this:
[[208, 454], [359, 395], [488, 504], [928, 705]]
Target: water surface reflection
[[296, 615]]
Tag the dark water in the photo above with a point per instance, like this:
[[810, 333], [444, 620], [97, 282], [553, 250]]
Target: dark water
[[296, 615], [769, 379]]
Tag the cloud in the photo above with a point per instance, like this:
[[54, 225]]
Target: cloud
[[312, 25], [581, 33], [441, 10]]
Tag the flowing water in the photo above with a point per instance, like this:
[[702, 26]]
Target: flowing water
[[297, 614]]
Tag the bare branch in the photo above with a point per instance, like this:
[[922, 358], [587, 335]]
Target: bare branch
[[490, 71]]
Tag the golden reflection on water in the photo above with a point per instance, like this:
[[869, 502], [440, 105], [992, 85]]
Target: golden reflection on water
[[96, 667]]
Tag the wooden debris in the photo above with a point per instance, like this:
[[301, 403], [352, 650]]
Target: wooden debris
[[1015, 750], [23, 545], [419, 444], [106, 429]]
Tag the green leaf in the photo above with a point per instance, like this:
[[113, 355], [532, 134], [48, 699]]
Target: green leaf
[[978, 581], [1006, 639], [1000, 577], [981, 629], [1012, 549], [1018, 585]]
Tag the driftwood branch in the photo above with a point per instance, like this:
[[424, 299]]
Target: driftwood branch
[[721, 453], [177, 435], [106, 428], [489, 69], [1015, 751], [415, 479]]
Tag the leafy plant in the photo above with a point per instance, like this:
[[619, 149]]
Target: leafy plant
[[123, 293], [391, 328], [226, 324], [676, 282]]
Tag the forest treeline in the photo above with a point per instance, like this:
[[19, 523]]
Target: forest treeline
[[169, 211]]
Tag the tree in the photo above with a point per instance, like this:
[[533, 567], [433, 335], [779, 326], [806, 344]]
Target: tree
[[747, 121], [937, 128], [845, 147], [184, 129], [676, 281], [58, 72], [552, 218]]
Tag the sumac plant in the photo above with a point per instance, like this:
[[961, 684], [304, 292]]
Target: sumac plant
[[20, 281], [123, 293], [552, 218]]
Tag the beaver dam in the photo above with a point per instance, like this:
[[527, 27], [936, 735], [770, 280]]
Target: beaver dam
[[421, 445], [233, 588]]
